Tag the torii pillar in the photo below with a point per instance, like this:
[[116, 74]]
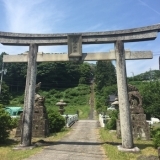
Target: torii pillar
[[125, 118], [26, 134]]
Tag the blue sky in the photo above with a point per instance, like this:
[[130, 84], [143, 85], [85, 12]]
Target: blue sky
[[67, 16]]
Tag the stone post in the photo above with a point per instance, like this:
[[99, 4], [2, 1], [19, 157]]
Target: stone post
[[159, 153], [125, 119], [26, 134]]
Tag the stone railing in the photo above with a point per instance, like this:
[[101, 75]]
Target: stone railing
[[103, 119], [70, 119]]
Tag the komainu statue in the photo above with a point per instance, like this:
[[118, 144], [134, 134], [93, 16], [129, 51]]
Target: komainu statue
[[40, 127], [37, 87], [135, 100], [140, 127]]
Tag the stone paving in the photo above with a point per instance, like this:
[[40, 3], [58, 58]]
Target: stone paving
[[81, 144]]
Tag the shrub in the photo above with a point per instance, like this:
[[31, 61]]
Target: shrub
[[99, 106], [156, 138], [111, 124], [5, 125], [21, 99], [14, 122], [56, 121]]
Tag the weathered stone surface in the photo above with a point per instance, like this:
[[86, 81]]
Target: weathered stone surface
[[124, 109], [155, 27], [128, 35], [40, 126], [39, 123], [74, 45], [134, 149], [26, 134], [140, 128], [135, 100], [85, 56]]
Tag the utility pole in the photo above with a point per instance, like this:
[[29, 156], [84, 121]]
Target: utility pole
[[150, 74], [159, 62], [132, 75], [3, 71]]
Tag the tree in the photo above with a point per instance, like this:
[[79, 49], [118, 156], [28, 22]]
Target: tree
[[1, 57], [85, 73], [16, 76], [5, 125], [51, 74], [58, 74], [146, 76], [150, 92], [105, 74], [4, 96]]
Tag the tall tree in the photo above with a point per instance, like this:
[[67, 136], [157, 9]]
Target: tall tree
[[16, 76], [4, 95], [150, 92], [105, 74], [51, 74], [85, 73], [58, 74]]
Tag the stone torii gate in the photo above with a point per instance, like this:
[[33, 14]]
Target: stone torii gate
[[74, 42]]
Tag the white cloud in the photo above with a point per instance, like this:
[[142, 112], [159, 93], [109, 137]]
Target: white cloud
[[30, 16]]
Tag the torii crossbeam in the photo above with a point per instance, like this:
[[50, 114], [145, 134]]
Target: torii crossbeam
[[98, 56]]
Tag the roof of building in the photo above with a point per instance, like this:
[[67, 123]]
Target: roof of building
[[112, 97]]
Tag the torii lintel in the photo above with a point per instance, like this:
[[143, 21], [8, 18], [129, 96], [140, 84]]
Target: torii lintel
[[129, 55]]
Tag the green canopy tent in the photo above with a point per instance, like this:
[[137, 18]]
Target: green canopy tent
[[14, 111]]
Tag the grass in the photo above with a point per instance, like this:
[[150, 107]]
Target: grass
[[7, 152], [83, 110], [110, 146], [156, 125], [77, 98]]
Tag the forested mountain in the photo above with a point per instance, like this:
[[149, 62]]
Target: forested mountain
[[149, 75]]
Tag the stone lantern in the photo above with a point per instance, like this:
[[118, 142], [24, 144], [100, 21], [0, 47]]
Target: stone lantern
[[116, 104], [61, 105]]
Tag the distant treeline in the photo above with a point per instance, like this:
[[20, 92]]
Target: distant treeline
[[146, 76]]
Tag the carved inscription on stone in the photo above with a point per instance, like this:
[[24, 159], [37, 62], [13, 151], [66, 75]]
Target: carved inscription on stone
[[74, 45]]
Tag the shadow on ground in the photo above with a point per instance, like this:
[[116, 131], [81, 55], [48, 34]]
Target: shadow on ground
[[9, 142], [48, 143]]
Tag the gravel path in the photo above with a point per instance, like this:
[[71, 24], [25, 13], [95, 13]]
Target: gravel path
[[81, 144]]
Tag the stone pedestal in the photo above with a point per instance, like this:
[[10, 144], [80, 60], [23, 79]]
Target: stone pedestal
[[140, 128], [40, 126]]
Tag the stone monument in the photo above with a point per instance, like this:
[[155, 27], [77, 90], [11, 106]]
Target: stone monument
[[40, 126], [140, 127]]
